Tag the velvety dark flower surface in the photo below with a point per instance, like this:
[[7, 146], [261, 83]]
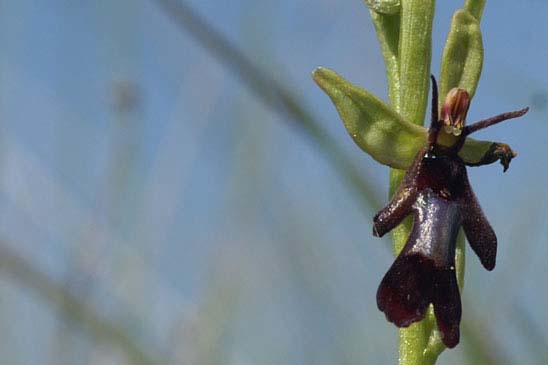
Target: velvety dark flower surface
[[436, 191]]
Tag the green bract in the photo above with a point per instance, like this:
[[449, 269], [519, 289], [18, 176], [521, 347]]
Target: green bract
[[379, 130], [462, 55], [384, 6]]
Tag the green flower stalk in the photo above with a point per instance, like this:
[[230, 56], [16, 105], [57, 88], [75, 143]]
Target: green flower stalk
[[393, 135]]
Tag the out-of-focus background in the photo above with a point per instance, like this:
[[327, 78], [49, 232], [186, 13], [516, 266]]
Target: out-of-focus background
[[163, 203]]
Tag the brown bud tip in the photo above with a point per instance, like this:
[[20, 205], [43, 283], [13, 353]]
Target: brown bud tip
[[454, 110]]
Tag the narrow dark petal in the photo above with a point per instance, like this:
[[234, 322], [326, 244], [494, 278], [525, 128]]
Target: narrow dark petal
[[406, 289], [392, 215], [493, 120], [402, 202], [479, 232], [447, 306], [434, 117]]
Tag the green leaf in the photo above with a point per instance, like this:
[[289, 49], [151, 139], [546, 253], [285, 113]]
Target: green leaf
[[381, 132], [462, 59], [384, 6]]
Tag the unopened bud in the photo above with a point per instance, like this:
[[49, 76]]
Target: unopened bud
[[454, 110], [386, 7]]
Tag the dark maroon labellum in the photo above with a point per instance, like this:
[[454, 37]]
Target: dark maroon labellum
[[437, 192]]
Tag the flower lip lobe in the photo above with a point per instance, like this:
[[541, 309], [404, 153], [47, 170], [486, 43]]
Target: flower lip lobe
[[447, 306], [405, 291], [411, 284]]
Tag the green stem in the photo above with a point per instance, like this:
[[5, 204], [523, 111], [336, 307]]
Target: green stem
[[388, 32], [415, 44], [415, 49], [406, 40]]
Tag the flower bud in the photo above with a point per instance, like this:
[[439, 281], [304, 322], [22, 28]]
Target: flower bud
[[454, 110]]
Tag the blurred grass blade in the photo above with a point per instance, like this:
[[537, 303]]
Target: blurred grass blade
[[104, 330], [530, 332], [380, 131], [462, 59], [275, 95], [480, 344]]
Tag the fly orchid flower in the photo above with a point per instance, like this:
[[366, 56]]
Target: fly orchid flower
[[436, 191]]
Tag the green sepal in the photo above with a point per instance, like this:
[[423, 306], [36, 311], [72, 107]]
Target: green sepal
[[374, 126], [381, 132]]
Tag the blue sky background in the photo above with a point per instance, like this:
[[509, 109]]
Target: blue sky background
[[139, 174]]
